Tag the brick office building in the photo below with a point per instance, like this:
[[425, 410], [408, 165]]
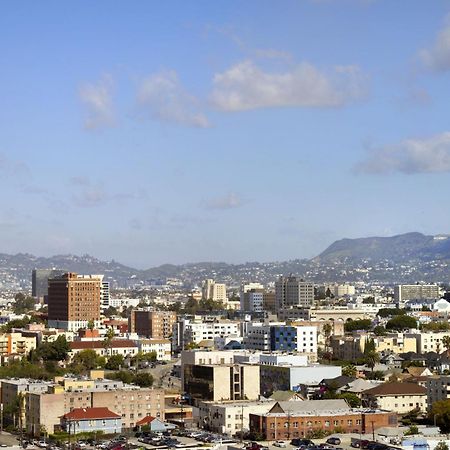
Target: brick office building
[[73, 301], [288, 420]]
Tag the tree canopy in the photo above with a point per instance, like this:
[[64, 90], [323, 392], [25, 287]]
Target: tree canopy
[[401, 322], [355, 325], [23, 303]]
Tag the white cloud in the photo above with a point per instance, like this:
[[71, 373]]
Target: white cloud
[[411, 156], [246, 86], [164, 98], [97, 99], [228, 201], [437, 57]]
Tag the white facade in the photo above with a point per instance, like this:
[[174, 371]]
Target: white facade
[[429, 341], [342, 290], [230, 418], [196, 332], [162, 348]]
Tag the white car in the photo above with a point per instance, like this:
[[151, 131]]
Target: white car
[[280, 444]]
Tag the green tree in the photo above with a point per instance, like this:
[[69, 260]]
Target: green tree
[[441, 446], [375, 375], [352, 399], [412, 430], [23, 303], [109, 337], [440, 414], [389, 312], [369, 346], [115, 362], [143, 379], [355, 325], [379, 330], [435, 326], [446, 342], [401, 323], [88, 360], [110, 311], [372, 359], [54, 351], [124, 375], [349, 370]]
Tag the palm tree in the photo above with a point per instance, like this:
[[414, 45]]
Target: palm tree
[[446, 342], [372, 358], [109, 336]]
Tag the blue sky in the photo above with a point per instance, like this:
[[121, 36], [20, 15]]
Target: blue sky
[[181, 131]]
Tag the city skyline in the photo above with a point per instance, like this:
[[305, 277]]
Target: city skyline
[[227, 131]]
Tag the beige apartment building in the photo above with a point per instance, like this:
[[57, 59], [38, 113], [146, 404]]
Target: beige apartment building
[[132, 403], [73, 301], [214, 291], [15, 345]]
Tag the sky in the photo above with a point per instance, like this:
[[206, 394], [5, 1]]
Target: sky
[[186, 131]]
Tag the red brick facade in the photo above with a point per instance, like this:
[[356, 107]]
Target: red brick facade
[[286, 427]]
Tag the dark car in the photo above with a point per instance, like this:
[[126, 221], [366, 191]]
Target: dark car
[[333, 440], [297, 442]]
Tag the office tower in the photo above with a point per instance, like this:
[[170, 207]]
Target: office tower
[[73, 301], [152, 324], [292, 292], [214, 291], [39, 281], [252, 300]]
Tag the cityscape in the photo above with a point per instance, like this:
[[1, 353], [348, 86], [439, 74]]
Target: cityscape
[[223, 225]]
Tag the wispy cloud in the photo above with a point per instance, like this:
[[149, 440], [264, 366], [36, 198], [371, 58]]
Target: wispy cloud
[[411, 156], [259, 53], [246, 86], [163, 97], [92, 197], [437, 56], [97, 99], [229, 201], [13, 167]]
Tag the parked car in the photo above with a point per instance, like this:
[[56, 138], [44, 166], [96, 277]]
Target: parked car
[[280, 444], [333, 440], [297, 442]]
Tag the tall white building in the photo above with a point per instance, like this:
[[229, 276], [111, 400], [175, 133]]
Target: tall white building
[[341, 290], [293, 291]]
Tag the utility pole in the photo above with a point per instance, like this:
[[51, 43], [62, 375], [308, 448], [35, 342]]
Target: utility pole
[[1, 418]]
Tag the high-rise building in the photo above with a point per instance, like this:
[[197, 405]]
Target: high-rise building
[[405, 292], [292, 292], [152, 324], [73, 301], [214, 291], [39, 281], [252, 300]]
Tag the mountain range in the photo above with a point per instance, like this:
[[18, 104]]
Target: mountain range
[[403, 258]]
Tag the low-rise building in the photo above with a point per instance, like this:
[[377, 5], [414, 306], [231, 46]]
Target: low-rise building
[[230, 417], [288, 420], [396, 396], [88, 420], [162, 348]]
